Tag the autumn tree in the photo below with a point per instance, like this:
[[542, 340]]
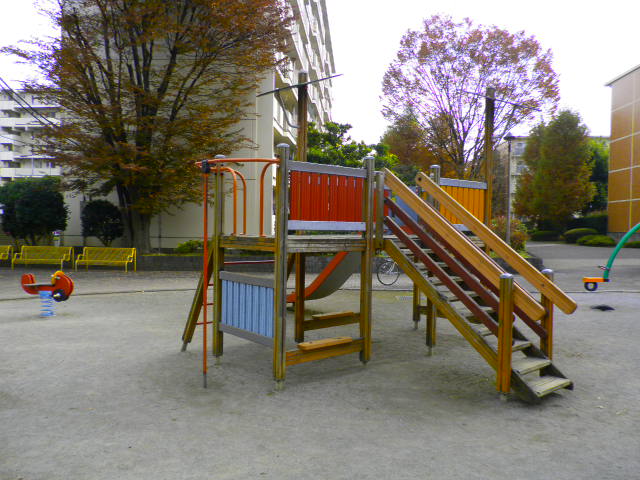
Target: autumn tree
[[555, 183], [441, 74], [331, 144], [406, 140], [148, 87]]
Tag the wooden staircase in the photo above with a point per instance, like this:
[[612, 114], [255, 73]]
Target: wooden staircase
[[464, 285]]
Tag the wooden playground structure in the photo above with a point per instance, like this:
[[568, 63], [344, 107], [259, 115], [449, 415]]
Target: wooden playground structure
[[327, 209]]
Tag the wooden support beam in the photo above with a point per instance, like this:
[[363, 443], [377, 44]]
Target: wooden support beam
[[328, 320], [299, 305], [295, 357], [442, 305]]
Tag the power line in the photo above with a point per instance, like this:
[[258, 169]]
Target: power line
[[24, 104]]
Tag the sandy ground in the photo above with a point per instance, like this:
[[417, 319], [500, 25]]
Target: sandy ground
[[102, 391]]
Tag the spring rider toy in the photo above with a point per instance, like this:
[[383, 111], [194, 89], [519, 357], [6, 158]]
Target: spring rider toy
[[58, 289], [591, 283]]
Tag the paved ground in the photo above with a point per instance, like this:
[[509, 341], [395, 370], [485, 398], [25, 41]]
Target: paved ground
[[102, 391]]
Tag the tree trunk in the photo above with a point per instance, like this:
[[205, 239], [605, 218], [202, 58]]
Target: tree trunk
[[136, 225], [141, 226]]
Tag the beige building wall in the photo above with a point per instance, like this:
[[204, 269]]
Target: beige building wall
[[624, 165]]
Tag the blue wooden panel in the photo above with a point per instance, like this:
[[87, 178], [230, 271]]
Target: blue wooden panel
[[248, 307]]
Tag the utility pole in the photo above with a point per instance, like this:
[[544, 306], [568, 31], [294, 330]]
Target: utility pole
[[489, 112], [303, 96]]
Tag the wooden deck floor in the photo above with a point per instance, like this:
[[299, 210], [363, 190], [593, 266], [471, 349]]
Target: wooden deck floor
[[297, 243]]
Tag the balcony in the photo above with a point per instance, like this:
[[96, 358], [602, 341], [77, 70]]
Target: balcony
[[30, 172], [7, 156]]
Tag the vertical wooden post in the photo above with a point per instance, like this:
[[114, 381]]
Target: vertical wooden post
[[416, 306], [280, 294], [546, 344], [432, 311], [434, 173], [218, 264], [490, 102], [432, 317], [505, 334], [299, 308], [299, 258], [367, 262]]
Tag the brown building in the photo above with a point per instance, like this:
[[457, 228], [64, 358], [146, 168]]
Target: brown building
[[624, 164]]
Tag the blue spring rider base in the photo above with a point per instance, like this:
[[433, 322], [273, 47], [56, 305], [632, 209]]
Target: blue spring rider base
[[47, 305]]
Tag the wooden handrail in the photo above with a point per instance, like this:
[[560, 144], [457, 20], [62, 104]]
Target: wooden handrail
[[462, 244], [495, 243]]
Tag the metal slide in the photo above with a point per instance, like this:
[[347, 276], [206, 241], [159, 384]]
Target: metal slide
[[334, 275]]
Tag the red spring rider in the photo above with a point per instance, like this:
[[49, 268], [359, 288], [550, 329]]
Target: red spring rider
[[58, 289]]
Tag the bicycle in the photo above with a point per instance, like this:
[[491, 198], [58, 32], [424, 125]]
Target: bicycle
[[388, 272]]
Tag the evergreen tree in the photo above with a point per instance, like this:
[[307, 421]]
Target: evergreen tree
[[556, 184]]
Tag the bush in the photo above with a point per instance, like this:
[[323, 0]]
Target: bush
[[190, 246], [519, 234], [595, 220], [596, 241], [101, 219], [571, 236], [634, 244], [544, 235]]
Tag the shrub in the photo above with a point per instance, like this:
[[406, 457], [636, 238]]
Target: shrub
[[102, 219], [519, 234], [595, 220], [190, 246], [571, 236], [596, 241], [544, 235], [634, 244]]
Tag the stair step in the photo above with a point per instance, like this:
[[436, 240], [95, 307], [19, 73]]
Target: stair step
[[438, 283], [529, 364], [471, 318], [547, 384], [453, 298], [519, 345], [483, 330]]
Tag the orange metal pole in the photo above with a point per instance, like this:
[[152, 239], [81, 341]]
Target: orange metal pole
[[205, 273]]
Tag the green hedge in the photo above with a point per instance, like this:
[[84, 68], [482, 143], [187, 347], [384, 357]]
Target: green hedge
[[596, 241], [597, 221], [190, 246], [544, 235], [634, 244], [571, 236]]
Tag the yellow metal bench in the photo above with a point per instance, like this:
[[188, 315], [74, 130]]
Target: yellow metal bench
[[34, 254], [106, 256], [6, 252]]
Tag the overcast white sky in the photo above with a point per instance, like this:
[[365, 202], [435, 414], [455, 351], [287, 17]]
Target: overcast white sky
[[592, 43]]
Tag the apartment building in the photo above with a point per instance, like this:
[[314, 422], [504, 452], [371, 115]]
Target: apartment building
[[624, 162], [272, 119], [21, 117]]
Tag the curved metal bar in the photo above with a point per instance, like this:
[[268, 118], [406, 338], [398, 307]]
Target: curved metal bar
[[235, 192], [262, 174]]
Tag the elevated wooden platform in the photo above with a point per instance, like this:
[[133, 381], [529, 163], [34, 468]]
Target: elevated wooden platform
[[297, 243]]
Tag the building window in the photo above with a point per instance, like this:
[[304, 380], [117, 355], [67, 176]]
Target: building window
[[518, 148]]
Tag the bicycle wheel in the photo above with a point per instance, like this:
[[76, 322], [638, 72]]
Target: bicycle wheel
[[388, 272]]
